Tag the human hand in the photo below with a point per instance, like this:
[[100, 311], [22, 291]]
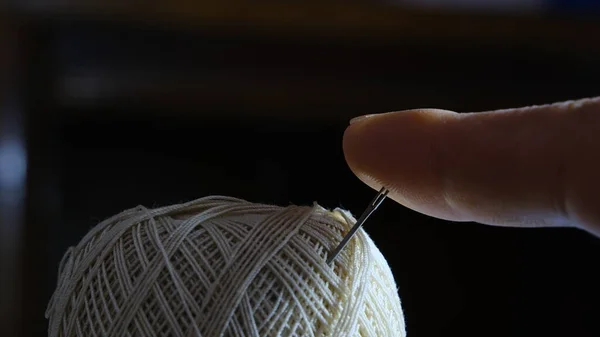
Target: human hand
[[528, 167]]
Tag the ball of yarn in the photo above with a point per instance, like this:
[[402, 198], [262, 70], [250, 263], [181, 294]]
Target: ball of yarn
[[220, 266]]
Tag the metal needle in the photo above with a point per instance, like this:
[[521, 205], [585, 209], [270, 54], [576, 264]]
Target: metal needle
[[379, 198]]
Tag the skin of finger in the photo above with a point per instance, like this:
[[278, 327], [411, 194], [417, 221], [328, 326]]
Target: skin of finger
[[535, 166]]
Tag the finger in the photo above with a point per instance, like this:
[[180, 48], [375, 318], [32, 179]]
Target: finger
[[534, 166]]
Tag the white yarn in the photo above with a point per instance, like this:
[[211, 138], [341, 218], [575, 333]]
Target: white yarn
[[220, 266]]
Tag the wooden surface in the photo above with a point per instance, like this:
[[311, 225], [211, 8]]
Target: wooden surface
[[293, 59], [367, 21]]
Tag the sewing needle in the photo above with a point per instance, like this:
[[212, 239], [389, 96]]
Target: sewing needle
[[379, 198]]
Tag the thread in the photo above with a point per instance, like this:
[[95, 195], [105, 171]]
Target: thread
[[221, 266]]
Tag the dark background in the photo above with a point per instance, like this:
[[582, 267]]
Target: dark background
[[118, 104]]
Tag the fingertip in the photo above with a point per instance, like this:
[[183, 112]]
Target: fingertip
[[531, 166], [399, 151]]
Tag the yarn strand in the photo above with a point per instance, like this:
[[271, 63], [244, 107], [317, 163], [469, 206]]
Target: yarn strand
[[221, 266]]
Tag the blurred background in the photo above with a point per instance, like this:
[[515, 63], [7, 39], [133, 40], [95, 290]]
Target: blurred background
[[105, 105]]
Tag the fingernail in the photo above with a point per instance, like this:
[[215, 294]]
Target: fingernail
[[360, 118]]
